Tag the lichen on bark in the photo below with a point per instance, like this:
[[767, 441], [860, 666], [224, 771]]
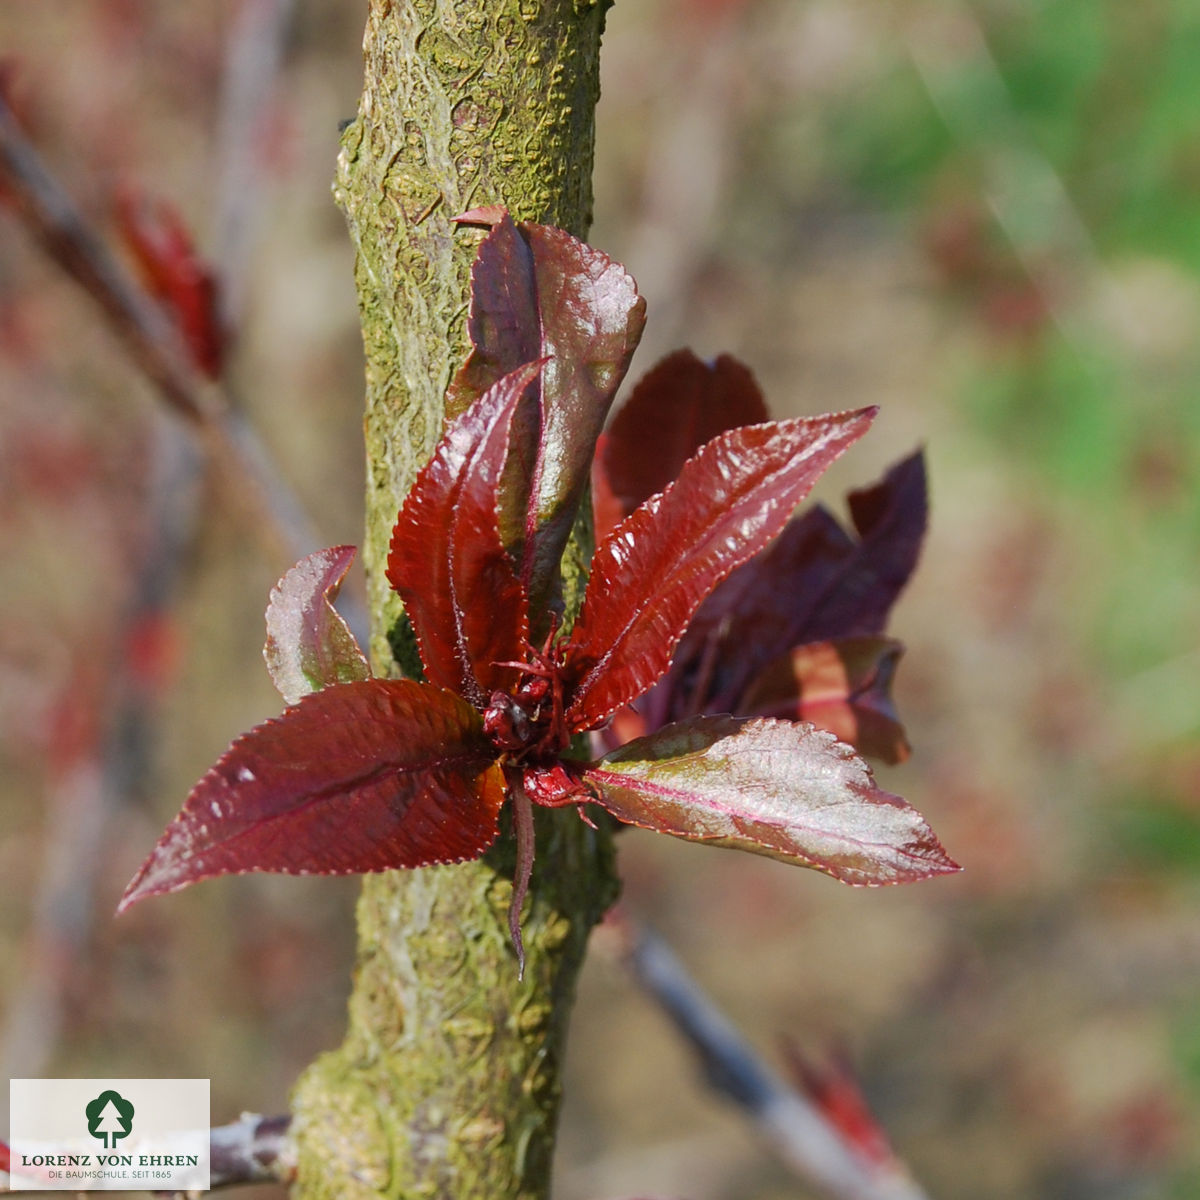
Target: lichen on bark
[[447, 1084]]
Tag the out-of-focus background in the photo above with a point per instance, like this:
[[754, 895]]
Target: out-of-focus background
[[984, 217]]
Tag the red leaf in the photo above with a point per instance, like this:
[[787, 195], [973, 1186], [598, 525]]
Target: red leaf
[[363, 777], [677, 407], [485, 214], [890, 518], [309, 646], [843, 686], [504, 324], [759, 613], [152, 651], [816, 583], [175, 274], [447, 561], [653, 571], [789, 791], [537, 292], [833, 1087], [781, 585]]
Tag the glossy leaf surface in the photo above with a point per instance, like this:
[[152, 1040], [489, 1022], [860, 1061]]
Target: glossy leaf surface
[[363, 777], [772, 787], [843, 686], [309, 646], [654, 570], [677, 407], [447, 561], [537, 292]]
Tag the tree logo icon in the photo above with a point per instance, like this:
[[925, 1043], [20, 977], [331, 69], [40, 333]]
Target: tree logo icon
[[109, 1117]]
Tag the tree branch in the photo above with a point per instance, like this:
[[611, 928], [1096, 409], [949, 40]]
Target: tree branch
[[448, 1082], [58, 227], [795, 1128], [254, 1149], [53, 220]]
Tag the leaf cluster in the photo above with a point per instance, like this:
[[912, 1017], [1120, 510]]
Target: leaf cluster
[[364, 774]]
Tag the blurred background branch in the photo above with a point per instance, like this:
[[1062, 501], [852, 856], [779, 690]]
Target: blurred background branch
[[799, 1131], [153, 344]]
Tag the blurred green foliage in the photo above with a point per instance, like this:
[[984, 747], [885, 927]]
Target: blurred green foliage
[[1158, 834], [1101, 407]]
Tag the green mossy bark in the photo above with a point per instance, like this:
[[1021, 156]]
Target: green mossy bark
[[447, 1084]]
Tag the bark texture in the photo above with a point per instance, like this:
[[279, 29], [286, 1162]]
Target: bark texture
[[447, 1084]]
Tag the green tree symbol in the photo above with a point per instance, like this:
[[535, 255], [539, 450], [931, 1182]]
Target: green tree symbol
[[109, 1117]]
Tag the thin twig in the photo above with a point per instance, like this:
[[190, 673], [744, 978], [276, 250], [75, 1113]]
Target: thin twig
[[62, 232], [794, 1127], [57, 225], [253, 1150], [243, 465]]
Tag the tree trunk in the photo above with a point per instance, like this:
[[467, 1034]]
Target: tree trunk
[[447, 1084]]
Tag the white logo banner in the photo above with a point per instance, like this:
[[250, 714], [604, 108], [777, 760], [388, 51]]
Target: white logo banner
[[108, 1135]]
